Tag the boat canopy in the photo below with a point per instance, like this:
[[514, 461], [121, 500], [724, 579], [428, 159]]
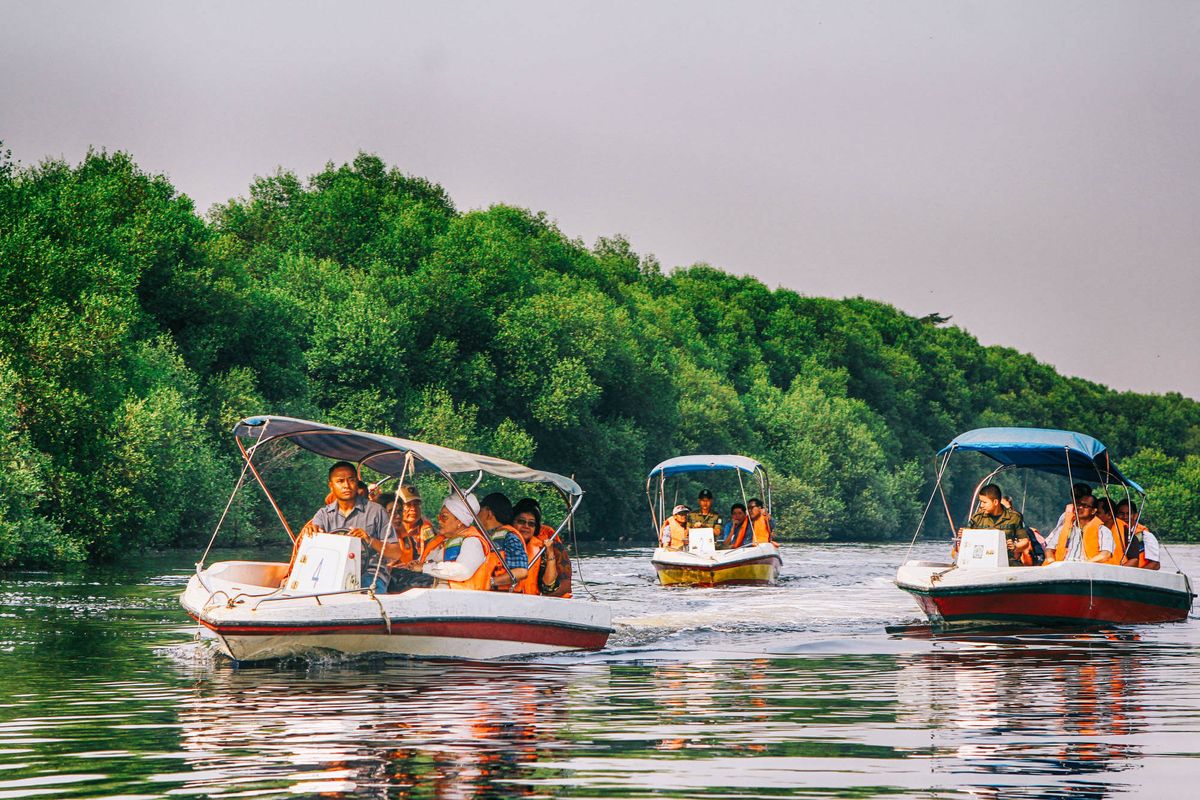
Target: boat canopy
[[705, 463], [389, 454], [1059, 452]]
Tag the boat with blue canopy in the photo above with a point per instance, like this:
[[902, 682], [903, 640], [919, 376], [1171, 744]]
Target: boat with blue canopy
[[318, 602], [691, 553], [997, 579]]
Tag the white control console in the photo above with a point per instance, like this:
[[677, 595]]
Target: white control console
[[700, 541], [326, 562], [982, 549]]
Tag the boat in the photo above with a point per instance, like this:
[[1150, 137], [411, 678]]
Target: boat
[[259, 610], [979, 589], [701, 563]]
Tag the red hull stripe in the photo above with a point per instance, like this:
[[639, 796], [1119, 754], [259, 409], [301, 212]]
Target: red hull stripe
[[495, 629], [1046, 605], [718, 567]]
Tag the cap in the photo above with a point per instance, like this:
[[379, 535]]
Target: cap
[[681, 509], [409, 494], [705, 494]]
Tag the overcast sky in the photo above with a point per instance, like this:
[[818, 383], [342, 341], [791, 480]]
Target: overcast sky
[[1032, 169]]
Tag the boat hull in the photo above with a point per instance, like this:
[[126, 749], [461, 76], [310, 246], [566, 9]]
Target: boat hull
[[748, 566], [1077, 595], [426, 623]]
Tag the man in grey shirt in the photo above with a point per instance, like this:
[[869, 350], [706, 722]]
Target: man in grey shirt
[[365, 520]]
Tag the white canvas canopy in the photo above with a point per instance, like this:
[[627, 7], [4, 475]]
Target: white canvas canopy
[[389, 454]]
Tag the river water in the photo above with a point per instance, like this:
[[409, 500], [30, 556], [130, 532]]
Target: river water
[[794, 690]]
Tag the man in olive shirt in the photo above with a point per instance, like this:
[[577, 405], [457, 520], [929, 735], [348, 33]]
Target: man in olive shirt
[[993, 516], [705, 517]]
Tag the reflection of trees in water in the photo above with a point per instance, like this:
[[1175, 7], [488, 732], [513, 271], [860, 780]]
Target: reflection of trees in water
[[429, 730], [1049, 707]]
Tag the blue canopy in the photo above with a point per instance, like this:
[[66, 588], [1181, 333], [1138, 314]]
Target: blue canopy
[[1059, 452], [705, 463]]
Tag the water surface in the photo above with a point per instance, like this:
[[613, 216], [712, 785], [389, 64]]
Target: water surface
[[794, 690]]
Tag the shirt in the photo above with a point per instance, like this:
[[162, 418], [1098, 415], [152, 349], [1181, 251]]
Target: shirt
[[1008, 520], [510, 544], [373, 519], [712, 520]]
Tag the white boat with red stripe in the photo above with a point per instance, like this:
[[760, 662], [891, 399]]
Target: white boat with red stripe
[[981, 588], [313, 605]]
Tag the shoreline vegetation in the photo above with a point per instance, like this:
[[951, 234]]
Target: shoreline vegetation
[[134, 332]]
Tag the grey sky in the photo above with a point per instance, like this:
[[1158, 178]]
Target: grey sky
[[1020, 166]]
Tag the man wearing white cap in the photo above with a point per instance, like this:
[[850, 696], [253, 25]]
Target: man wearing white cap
[[674, 533], [458, 551]]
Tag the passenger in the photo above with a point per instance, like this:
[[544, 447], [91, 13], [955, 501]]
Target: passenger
[[992, 515], [364, 520], [705, 517], [674, 533], [413, 530], [458, 556], [762, 526], [736, 530], [554, 566], [496, 515], [1106, 513], [1092, 542], [1007, 501], [1143, 549], [412, 522], [1066, 522]]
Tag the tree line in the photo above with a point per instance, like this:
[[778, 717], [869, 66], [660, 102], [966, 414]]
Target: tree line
[[134, 332]]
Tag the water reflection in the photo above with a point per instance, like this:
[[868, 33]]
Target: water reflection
[[1042, 706], [400, 730]]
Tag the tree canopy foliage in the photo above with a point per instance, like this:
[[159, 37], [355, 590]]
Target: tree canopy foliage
[[134, 332]]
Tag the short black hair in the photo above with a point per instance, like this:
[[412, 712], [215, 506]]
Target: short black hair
[[1081, 490], [754, 501], [527, 505], [345, 464], [500, 506], [1133, 507], [991, 490], [387, 499], [735, 507]]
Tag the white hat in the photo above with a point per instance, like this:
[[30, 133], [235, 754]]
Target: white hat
[[455, 505], [681, 509]]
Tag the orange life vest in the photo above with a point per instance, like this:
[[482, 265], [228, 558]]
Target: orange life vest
[[679, 533], [1120, 532], [481, 579], [762, 529], [529, 584], [737, 535], [1091, 539], [412, 545]]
